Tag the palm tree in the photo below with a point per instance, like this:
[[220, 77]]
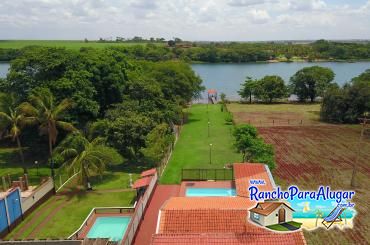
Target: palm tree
[[319, 214], [49, 115], [12, 121], [86, 157]]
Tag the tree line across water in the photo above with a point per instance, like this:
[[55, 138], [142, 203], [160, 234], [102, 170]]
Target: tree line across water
[[94, 106], [235, 52], [339, 104]]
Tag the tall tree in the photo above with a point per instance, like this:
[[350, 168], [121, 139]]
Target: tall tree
[[348, 103], [270, 88], [87, 157], [248, 88], [12, 121], [50, 115], [311, 82]]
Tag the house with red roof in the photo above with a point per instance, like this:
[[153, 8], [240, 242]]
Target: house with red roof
[[222, 219], [271, 213]]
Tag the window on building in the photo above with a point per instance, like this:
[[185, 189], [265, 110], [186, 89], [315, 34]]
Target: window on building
[[256, 216]]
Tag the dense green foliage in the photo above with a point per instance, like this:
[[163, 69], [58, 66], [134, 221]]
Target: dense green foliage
[[269, 88], [311, 82], [253, 147], [235, 52], [347, 104], [266, 89], [129, 102], [248, 89], [88, 157]]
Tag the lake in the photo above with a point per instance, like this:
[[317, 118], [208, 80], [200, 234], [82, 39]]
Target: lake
[[227, 78], [4, 69]]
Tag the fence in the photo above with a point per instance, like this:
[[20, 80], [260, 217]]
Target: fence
[[39, 193], [11, 210], [280, 122], [163, 163], [139, 213], [207, 174], [62, 178], [99, 210]]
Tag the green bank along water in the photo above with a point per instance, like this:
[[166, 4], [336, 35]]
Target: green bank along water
[[227, 78]]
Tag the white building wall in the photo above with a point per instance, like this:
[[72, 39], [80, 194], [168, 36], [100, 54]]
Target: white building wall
[[37, 194], [273, 218]]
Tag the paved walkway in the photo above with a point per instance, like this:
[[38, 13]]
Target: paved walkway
[[148, 225], [289, 226]]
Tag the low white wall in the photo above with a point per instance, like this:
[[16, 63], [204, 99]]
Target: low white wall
[[37, 194], [273, 218]]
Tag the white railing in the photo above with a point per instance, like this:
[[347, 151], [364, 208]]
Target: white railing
[[90, 216], [139, 213]]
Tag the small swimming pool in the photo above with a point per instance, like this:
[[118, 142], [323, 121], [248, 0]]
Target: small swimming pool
[[109, 227], [210, 192]]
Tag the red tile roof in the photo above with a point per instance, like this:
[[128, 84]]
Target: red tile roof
[[191, 203], [229, 238], [149, 172], [244, 172], [142, 182], [206, 214], [266, 208], [212, 91]]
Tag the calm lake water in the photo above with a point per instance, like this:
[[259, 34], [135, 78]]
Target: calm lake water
[[227, 78], [4, 69]]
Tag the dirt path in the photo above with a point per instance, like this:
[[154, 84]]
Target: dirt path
[[47, 219], [35, 218]]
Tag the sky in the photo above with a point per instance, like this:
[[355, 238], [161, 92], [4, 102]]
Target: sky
[[195, 20]]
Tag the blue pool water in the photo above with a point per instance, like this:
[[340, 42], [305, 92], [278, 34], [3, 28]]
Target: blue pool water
[[109, 227], [210, 192]]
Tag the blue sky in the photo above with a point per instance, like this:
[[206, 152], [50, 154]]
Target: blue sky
[[238, 20]]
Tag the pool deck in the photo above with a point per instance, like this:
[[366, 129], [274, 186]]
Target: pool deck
[[87, 228], [148, 227], [204, 184]]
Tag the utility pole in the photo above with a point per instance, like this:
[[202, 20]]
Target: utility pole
[[363, 122]]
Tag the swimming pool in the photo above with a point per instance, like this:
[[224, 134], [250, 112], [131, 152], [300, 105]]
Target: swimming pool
[[109, 227], [210, 192]]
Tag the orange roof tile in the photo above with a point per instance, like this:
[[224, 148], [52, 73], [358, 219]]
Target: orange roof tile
[[212, 91], [142, 182], [148, 172], [191, 203], [266, 208], [229, 238], [212, 220], [244, 172], [206, 214]]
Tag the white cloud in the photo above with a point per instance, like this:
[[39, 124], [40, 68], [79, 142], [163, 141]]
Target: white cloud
[[188, 19], [243, 3], [259, 16]]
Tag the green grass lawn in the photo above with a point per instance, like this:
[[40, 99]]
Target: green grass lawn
[[70, 217], [192, 148], [10, 164], [279, 227], [70, 44]]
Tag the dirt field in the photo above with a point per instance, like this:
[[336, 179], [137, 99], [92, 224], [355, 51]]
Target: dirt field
[[314, 154], [276, 114]]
